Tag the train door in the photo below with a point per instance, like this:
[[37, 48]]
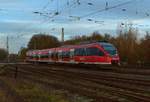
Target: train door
[[72, 55], [39, 56], [52, 55], [80, 55], [49, 56]]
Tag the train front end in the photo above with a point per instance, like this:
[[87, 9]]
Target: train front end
[[111, 53]]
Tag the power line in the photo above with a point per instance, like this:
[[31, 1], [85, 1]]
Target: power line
[[107, 8], [57, 11], [7, 45]]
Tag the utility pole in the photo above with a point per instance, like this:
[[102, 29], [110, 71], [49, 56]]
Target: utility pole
[[35, 44], [62, 35], [7, 45]]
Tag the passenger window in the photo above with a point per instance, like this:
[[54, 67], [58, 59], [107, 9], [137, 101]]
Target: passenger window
[[66, 54], [80, 52], [71, 53], [93, 51], [60, 54], [63, 54], [44, 56], [56, 54]]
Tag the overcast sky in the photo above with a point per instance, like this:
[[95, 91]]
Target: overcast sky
[[20, 19]]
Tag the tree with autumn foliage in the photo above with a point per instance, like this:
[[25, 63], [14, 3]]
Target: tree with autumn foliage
[[145, 49], [3, 54], [95, 36], [127, 45], [22, 53], [43, 41]]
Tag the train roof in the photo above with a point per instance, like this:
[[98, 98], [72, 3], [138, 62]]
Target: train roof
[[87, 43]]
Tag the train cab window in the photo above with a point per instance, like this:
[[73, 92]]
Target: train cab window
[[80, 52], [93, 51]]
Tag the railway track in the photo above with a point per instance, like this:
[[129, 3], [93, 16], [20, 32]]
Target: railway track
[[116, 69], [59, 84], [119, 87]]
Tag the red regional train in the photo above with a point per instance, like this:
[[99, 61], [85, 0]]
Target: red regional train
[[89, 53]]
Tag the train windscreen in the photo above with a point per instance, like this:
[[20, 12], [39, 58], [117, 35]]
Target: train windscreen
[[109, 48]]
